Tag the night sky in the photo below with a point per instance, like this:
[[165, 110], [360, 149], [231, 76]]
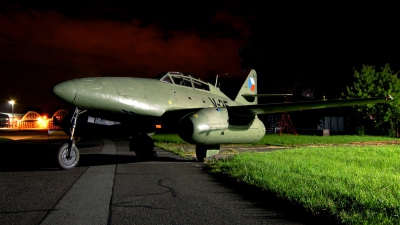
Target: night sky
[[44, 43]]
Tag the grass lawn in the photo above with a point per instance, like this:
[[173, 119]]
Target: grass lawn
[[354, 184], [357, 185], [290, 140], [4, 139], [302, 140]]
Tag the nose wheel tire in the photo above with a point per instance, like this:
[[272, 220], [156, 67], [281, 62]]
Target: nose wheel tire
[[66, 162]]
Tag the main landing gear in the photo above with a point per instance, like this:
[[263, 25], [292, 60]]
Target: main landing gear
[[206, 151], [68, 154], [143, 146]]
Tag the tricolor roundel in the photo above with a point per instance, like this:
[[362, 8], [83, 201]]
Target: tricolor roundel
[[251, 84]]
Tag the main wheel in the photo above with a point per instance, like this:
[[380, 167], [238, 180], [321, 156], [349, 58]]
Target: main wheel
[[67, 162], [201, 152], [143, 145]]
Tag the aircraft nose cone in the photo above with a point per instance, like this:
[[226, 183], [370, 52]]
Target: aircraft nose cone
[[66, 91]]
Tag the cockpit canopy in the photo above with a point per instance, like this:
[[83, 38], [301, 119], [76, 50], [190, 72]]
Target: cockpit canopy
[[178, 78]]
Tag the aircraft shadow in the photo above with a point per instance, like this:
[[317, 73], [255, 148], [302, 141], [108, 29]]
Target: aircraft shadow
[[104, 159], [268, 200], [19, 156]]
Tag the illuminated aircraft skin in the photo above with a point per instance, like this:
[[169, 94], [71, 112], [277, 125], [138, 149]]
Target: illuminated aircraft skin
[[203, 114]]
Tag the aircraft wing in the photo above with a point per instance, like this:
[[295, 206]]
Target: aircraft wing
[[249, 110]]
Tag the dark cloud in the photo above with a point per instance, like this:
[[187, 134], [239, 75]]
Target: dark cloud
[[42, 45], [45, 42]]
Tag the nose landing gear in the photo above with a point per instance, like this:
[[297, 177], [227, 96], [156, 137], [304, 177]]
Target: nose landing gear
[[68, 153]]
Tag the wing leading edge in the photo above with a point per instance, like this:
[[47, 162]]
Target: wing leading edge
[[249, 110]]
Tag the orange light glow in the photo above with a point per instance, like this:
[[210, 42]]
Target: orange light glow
[[42, 122], [158, 126]]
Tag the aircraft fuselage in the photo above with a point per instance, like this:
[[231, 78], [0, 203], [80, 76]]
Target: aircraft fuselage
[[140, 96]]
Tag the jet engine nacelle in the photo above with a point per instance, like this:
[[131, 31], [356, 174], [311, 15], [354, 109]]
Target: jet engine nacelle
[[212, 126]]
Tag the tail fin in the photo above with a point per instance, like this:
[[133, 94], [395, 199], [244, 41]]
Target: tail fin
[[247, 94]]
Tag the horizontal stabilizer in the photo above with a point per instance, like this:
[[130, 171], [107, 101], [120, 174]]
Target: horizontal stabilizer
[[251, 97], [265, 95]]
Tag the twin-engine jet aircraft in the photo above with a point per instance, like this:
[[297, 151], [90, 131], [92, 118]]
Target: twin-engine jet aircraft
[[203, 114]]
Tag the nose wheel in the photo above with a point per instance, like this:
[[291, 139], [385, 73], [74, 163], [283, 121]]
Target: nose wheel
[[68, 153], [68, 157]]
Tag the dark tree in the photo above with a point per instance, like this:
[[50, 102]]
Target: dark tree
[[375, 118]]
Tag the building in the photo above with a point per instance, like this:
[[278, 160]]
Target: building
[[10, 119], [30, 120]]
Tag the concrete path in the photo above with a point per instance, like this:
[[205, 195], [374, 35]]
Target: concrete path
[[87, 201], [111, 185]]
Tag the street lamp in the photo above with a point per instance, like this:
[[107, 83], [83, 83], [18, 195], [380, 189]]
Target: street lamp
[[12, 102]]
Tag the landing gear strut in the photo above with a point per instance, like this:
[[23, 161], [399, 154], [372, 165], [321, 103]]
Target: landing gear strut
[[68, 154], [205, 151], [143, 146]]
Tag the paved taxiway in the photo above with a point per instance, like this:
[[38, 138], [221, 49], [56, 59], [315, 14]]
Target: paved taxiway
[[110, 186]]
